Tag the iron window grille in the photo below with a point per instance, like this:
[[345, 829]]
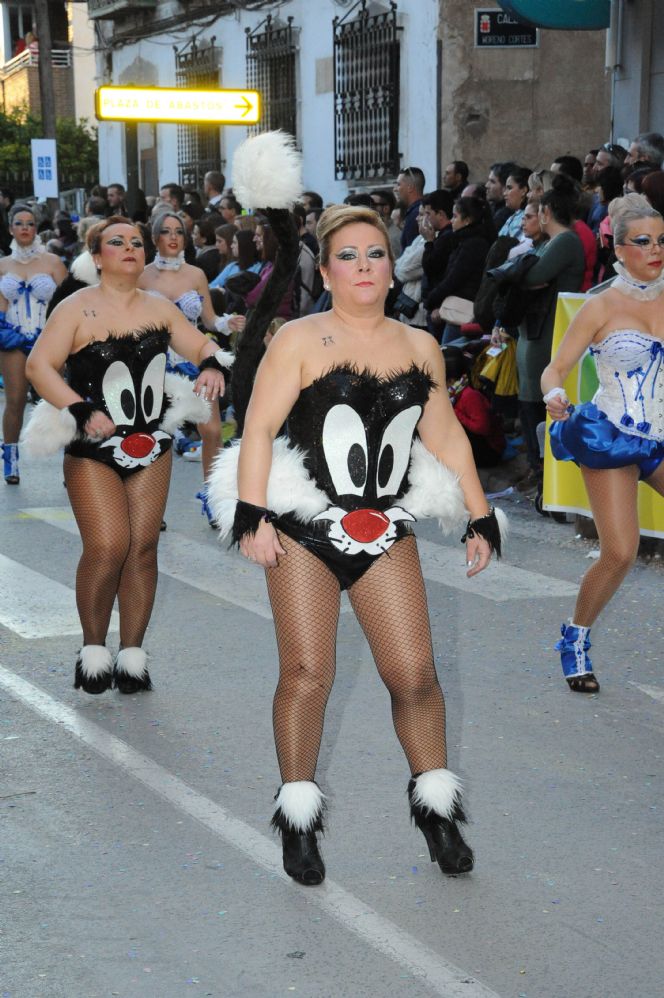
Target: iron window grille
[[199, 146], [366, 94], [272, 70]]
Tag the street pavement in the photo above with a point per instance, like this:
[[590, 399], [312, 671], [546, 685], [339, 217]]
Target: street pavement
[[136, 857]]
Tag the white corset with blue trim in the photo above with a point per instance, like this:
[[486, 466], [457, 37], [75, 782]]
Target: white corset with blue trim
[[191, 305], [27, 301], [630, 367]]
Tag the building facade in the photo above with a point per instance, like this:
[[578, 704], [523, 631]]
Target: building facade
[[19, 59], [366, 86]]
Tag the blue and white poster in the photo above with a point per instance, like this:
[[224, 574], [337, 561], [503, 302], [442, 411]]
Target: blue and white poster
[[44, 168]]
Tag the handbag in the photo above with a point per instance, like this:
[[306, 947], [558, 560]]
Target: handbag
[[405, 305], [456, 310]]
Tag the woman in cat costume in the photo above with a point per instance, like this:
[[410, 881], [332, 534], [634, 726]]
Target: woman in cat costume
[[329, 505], [115, 413]]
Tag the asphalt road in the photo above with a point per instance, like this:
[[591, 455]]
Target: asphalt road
[[135, 853]]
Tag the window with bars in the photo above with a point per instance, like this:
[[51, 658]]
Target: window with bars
[[199, 146], [272, 69], [366, 94]]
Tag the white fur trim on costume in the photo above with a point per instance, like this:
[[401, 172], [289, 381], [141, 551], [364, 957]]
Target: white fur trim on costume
[[301, 803], [48, 430], [437, 790], [185, 405], [95, 660], [224, 357], [503, 526], [290, 488], [83, 269], [132, 661], [434, 490], [267, 171]]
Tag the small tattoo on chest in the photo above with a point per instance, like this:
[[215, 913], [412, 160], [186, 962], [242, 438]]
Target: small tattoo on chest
[[90, 311], [327, 340]]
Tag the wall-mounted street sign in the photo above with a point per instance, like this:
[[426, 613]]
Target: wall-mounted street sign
[[495, 29], [173, 106]]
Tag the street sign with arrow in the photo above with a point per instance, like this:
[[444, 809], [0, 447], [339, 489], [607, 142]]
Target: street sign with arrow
[[178, 106]]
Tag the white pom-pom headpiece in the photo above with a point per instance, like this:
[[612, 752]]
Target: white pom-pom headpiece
[[267, 171]]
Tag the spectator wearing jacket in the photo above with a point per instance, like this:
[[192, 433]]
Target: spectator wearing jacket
[[465, 266], [455, 178], [495, 191], [438, 207], [409, 191], [408, 271]]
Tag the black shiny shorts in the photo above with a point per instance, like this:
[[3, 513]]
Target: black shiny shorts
[[346, 568]]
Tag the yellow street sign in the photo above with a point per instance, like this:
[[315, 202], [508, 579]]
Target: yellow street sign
[[178, 106]]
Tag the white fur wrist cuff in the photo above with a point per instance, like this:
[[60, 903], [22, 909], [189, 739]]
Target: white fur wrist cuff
[[554, 393]]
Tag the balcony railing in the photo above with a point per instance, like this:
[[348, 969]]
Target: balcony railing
[[59, 57], [111, 8]]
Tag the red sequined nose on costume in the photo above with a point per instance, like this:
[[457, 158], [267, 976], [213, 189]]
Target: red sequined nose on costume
[[365, 525], [138, 444]]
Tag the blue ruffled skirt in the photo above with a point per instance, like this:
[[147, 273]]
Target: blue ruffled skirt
[[12, 339], [589, 438]]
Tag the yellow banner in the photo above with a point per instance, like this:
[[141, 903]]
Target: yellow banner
[[175, 105], [564, 490]]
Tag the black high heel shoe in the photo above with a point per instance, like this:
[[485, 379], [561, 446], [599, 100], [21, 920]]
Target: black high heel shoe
[[297, 817], [130, 672], [94, 670], [435, 807], [302, 860], [447, 847]]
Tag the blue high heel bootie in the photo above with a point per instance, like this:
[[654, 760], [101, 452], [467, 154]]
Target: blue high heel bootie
[[574, 646], [206, 511], [10, 463]]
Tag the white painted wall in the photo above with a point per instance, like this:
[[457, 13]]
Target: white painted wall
[[418, 91], [85, 68]]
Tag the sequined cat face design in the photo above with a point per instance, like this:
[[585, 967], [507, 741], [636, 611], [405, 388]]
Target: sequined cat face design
[[362, 476], [135, 408]]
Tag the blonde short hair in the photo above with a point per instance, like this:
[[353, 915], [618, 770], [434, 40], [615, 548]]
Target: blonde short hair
[[626, 210], [337, 217]]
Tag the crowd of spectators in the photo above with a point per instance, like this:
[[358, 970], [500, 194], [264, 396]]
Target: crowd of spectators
[[479, 263]]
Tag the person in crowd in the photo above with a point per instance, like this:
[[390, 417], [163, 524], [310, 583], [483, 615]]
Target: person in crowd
[[359, 198], [539, 183], [653, 187], [610, 154], [495, 192], [436, 228], [463, 274], [243, 255], [455, 178], [311, 224], [214, 183], [116, 200], [588, 178], [569, 165], [308, 282], [409, 190], [28, 279], [590, 245], [312, 201], [208, 254], [230, 209], [616, 439], [473, 410], [609, 185], [186, 286], [357, 391], [114, 413], [474, 191], [65, 242], [384, 202], [647, 148], [267, 247], [408, 271], [173, 195], [516, 197], [561, 267]]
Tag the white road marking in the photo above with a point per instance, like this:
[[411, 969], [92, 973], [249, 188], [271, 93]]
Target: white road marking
[[499, 582], [353, 914], [214, 570], [655, 692], [34, 606]]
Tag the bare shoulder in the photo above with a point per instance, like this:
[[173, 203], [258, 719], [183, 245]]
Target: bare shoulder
[[291, 338], [159, 304], [52, 260], [423, 346]]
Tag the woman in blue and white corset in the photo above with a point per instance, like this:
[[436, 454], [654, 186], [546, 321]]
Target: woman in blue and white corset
[[186, 286], [617, 439], [28, 279]]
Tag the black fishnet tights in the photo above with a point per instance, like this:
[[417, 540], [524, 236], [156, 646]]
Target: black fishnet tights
[[390, 604], [613, 501], [119, 520]]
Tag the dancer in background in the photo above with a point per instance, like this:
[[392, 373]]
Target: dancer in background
[[115, 413], [28, 279], [617, 439]]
